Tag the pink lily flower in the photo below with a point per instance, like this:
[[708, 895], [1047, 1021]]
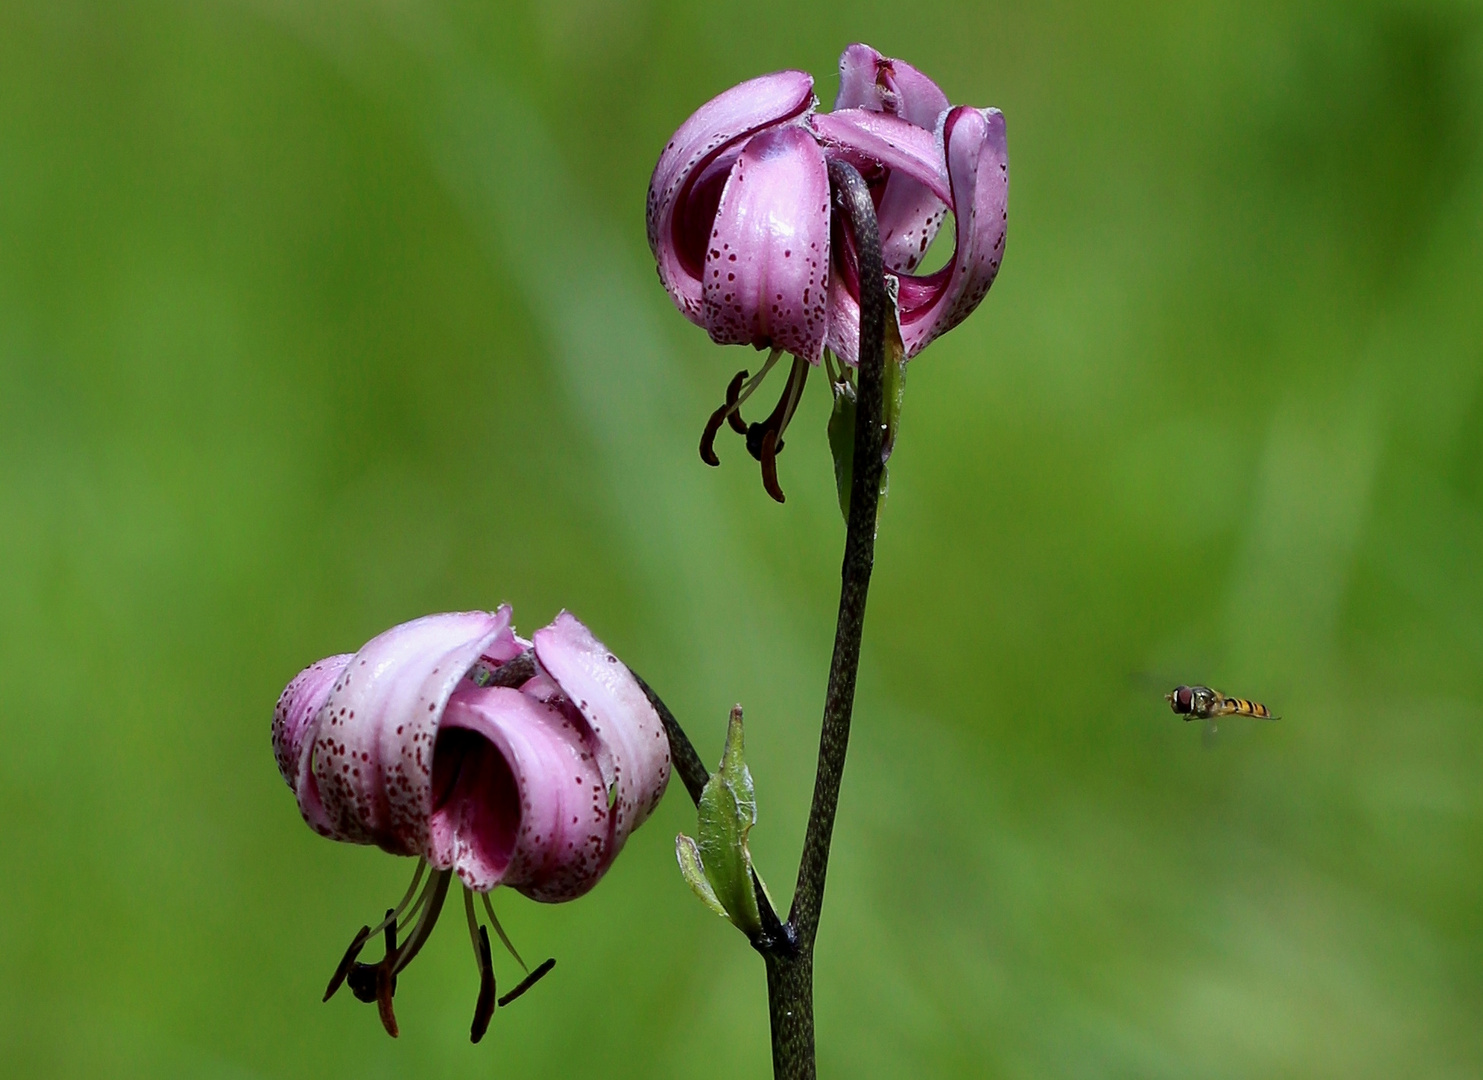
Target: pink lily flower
[[506, 762], [740, 226], [920, 158]]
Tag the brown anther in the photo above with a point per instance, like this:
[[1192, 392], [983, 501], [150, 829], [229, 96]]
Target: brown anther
[[484, 1008], [385, 988], [764, 440], [733, 416], [364, 979], [347, 961], [708, 437], [377, 982], [730, 413], [386, 979], [530, 980], [770, 447]]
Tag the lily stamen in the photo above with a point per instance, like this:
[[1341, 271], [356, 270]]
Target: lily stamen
[[530, 980], [737, 393], [484, 1006], [365, 933], [770, 466], [347, 961], [362, 977], [483, 958], [479, 936], [377, 982], [720, 416], [765, 439], [782, 413], [468, 912], [436, 892], [734, 399], [752, 384], [385, 985]]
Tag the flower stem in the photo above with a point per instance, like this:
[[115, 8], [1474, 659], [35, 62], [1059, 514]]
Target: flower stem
[[686, 761], [790, 956], [790, 977]]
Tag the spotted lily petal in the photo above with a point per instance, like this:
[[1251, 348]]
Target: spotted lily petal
[[300, 701], [635, 751], [903, 160], [766, 271], [371, 755], [908, 160], [687, 181], [538, 788], [978, 166], [520, 800], [971, 159], [717, 237], [293, 724]]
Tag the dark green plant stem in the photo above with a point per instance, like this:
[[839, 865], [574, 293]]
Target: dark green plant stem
[[682, 755], [852, 199], [790, 989], [790, 956]]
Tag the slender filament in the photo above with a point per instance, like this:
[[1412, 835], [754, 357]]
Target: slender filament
[[468, 910], [435, 893], [396, 912], [500, 930], [756, 380]]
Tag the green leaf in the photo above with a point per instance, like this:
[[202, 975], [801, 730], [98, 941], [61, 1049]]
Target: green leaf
[[842, 441], [728, 810], [692, 869], [895, 376]]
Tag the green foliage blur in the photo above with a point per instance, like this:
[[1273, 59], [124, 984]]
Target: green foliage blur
[[316, 316]]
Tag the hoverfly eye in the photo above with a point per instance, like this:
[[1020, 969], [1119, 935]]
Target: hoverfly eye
[[1184, 699]]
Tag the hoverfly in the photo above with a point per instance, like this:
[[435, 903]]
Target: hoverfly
[[1203, 703]]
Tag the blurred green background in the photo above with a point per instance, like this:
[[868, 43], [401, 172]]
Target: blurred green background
[[316, 316]]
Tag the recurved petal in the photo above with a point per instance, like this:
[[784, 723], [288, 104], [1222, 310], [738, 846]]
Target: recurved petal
[[766, 272], [873, 142], [635, 757], [687, 180], [909, 216], [978, 168], [908, 161], [868, 80], [373, 738], [300, 700], [519, 798]]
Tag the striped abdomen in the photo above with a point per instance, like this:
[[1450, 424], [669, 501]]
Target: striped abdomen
[[1234, 706]]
